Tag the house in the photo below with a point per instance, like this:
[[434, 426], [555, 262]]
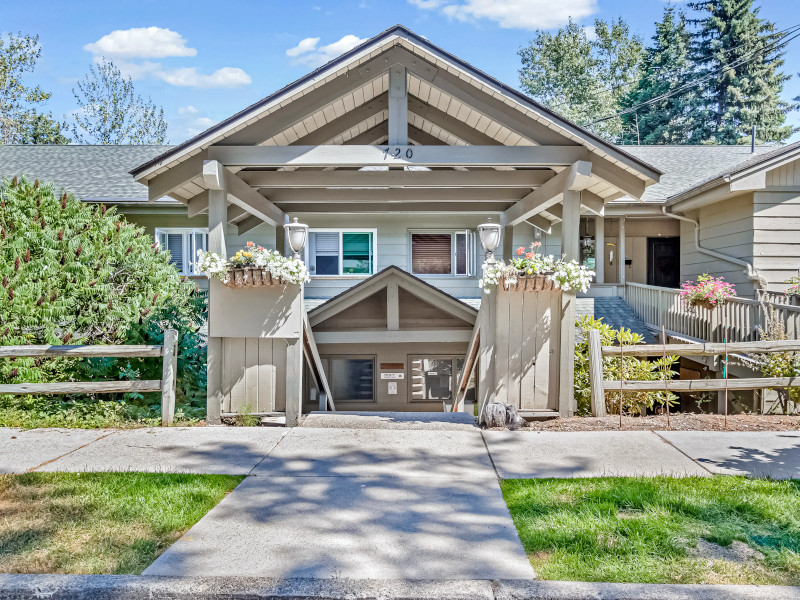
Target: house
[[393, 154]]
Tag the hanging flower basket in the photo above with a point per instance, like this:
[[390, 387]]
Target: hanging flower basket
[[537, 282], [707, 292], [253, 266], [708, 305]]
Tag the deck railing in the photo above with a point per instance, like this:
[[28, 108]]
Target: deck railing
[[322, 390], [735, 321], [166, 385]]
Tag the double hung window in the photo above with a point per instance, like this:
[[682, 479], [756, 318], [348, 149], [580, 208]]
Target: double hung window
[[182, 244], [442, 253], [340, 252]]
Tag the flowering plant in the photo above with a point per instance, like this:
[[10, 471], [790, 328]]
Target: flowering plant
[[291, 270], [566, 275], [707, 291], [794, 288]]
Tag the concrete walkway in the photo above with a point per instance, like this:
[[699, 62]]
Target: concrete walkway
[[410, 503]]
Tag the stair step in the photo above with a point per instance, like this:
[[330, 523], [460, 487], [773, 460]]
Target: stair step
[[536, 414]]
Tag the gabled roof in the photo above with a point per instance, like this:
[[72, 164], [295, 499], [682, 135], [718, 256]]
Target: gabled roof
[[370, 49], [762, 162], [413, 284], [89, 172]]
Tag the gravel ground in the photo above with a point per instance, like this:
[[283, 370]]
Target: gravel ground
[[678, 422]]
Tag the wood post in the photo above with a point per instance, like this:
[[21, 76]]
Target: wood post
[[621, 251], [566, 388], [600, 250], [323, 401], [217, 222], [294, 381], [486, 354], [598, 396], [398, 106], [214, 381], [169, 376]]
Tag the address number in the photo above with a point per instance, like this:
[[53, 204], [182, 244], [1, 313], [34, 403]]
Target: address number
[[395, 153]]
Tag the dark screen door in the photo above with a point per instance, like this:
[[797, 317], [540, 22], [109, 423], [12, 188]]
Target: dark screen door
[[663, 261]]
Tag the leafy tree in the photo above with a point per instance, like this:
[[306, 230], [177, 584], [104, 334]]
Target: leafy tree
[[19, 121], [581, 78], [742, 55], [667, 66], [73, 273], [40, 128], [110, 112]]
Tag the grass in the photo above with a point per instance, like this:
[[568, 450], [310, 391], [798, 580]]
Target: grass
[[647, 529], [99, 523]]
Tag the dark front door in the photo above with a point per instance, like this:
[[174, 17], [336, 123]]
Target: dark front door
[[663, 261]]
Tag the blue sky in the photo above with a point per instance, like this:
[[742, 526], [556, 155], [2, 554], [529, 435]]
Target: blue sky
[[203, 61]]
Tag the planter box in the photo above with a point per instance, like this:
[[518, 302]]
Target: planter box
[[250, 276], [539, 282]]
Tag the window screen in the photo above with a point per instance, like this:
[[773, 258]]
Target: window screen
[[357, 253], [323, 252], [431, 253]]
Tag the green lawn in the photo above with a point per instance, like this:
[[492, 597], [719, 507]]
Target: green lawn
[[651, 530], [99, 522]]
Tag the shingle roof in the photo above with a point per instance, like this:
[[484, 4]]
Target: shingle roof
[[89, 172], [685, 167]]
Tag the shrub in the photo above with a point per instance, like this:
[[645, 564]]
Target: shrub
[[631, 368], [74, 273]]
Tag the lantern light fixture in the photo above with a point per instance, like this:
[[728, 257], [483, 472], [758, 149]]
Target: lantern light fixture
[[296, 234], [489, 234]]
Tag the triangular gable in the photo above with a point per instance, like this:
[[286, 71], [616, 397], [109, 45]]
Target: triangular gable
[[370, 295], [295, 111]]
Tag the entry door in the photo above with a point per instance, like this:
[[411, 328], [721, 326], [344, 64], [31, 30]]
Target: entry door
[[664, 261]]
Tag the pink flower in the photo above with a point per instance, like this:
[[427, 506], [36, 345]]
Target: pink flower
[[520, 250], [537, 244], [250, 244], [529, 255]]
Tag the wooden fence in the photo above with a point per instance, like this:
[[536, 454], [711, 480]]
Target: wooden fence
[[166, 385], [599, 386], [736, 320]]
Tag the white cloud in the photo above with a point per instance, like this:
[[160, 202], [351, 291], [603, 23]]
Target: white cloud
[[305, 45], [221, 78], [307, 52], [513, 14], [141, 42], [187, 110], [591, 32]]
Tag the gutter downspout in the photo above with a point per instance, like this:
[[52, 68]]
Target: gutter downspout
[[752, 274]]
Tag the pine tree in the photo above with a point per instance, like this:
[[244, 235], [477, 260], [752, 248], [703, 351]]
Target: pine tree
[[742, 54], [667, 66], [73, 273]]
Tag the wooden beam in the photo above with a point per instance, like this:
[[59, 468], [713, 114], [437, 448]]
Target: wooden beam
[[93, 351], [168, 181], [575, 178], [284, 196], [236, 212], [344, 123], [541, 223], [198, 204], [249, 224], [400, 179], [449, 123], [592, 202], [426, 336], [618, 177], [216, 176], [82, 387], [369, 137], [217, 222], [423, 138], [707, 349], [431, 156], [396, 207], [398, 106], [702, 385]]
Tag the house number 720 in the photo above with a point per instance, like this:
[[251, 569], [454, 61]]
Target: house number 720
[[395, 153]]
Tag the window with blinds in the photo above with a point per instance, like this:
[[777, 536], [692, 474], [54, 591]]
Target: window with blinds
[[443, 253], [182, 245], [332, 252]]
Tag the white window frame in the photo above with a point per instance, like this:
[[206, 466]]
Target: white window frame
[[341, 231], [189, 252], [471, 254]]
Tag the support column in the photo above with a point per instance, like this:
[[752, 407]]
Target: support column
[[294, 381], [621, 251], [398, 106], [487, 352], [566, 386], [508, 243], [217, 221], [570, 225], [600, 250], [280, 238], [392, 307]]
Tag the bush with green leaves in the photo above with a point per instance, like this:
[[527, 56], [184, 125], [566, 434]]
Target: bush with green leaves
[[629, 367], [75, 273]]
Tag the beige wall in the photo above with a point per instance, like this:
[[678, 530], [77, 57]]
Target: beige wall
[[776, 235]]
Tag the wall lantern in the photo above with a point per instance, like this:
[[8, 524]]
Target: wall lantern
[[490, 238], [296, 233]]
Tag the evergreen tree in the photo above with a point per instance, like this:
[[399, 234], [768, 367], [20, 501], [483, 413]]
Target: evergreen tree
[[583, 78], [667, 66], [110, 112], [739, 94]]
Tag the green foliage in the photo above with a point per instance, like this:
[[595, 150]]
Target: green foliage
[[581, 78], [73, 273], [667, 66], [630, 367], [646, 530], [740, 96], [110, 112], [19, 121], [778, 364], [243, 417]]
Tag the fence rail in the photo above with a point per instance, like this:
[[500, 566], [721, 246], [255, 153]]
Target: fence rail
[[166, 385], [735, 321], [599, 386]]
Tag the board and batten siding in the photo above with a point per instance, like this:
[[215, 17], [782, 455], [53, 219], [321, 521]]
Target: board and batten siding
[[726, 227]]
